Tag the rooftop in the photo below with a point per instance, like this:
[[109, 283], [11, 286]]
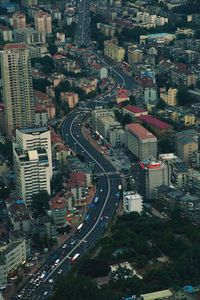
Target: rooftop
[[58, 202], [154, 122], [157, 295], [33, 130], [134, 109], [141, 132], [15, 46]]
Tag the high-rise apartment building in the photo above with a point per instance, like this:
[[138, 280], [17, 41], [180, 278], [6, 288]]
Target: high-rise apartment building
[[43, 22], [19, 21], [33, 161], [17, 87]]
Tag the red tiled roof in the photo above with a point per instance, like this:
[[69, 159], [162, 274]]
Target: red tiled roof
[[122, 93], [76, 179], [40, 109], [55, 138], [15, 46], [134, 109], [40, 95], [58, 202], [154, 122], [141, 132]]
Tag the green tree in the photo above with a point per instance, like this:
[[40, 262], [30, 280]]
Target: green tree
[[40, 203], [57, 183], [79, 288], [183, 96], [41, 84], [53, 49], [4, 192], [94, 268]]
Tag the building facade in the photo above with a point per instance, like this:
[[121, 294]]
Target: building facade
[[132, 201], [17, 87], [140, 142], [33, 162], [12, 256], [149, 175], [43, 22]]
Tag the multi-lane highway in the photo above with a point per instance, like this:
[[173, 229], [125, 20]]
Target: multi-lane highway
[[59, 263], [40, 285]]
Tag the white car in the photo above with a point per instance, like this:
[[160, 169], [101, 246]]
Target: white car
[[64, 246], [60, 271]]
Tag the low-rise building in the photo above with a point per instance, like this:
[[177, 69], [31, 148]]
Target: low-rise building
[[112, 50], [135, 56], [140, 142], [186, 142], [170, 96], [41, 116], [122, 95], [13, 255], [59, 207], [70, 97], [160, 128], [132, 202], [134, 111], [77, 185], [29, 36], [110, 130], [18, 214], [159, 295], [100, 112]]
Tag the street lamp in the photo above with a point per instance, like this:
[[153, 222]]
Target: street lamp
[[66, 137], [85, 244], [69, 259]]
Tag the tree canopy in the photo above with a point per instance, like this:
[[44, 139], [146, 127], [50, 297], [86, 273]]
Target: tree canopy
[[94, 268], [40, 203]]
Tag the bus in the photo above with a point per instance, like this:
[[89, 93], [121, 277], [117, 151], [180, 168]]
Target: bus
[[80, 226], [96, 199], [74, 258]]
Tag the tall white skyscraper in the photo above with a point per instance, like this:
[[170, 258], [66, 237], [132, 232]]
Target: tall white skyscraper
[[33, 161], [17, 87]]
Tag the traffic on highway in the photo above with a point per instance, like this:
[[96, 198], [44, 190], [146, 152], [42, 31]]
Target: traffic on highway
[[40, 284]]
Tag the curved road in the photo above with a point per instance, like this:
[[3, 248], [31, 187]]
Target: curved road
[[59, 263]]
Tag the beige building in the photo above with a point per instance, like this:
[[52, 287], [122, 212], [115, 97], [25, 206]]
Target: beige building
[[71, 98], [29, 2], [12, 256], [32, 161], [135, 56], [110, 130], [100, 112], [140, 141], [43, 22], [19, 21], [170, 96], [112, 50], [186, 143], [17, 87]]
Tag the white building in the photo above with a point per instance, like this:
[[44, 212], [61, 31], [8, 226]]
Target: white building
[[33, 161], [12, 256], [132, 201]]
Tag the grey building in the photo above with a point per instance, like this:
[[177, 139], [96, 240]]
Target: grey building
[[149, 174], [29, 36]]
